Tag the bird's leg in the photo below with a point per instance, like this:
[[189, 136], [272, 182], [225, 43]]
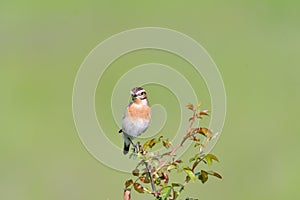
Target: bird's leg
[[136, 146]]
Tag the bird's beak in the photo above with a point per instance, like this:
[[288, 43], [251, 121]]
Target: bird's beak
[[133, 96]]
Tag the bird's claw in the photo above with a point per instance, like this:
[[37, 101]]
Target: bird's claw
[[136, 147]]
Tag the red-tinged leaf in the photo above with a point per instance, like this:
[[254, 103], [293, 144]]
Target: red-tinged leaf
[[203, 131], [213, 173], [203, 176], [178, 161], [138, 187], [145, 178], [128, 183], [166, 178], [204, 112], [127, 195], [190, 173], [135, 172], [190, 106]]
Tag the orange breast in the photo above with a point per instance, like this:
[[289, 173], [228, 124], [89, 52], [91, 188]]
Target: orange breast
[[139, 112]]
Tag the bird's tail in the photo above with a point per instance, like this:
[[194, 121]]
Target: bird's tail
[[126, 148], [127, 142]]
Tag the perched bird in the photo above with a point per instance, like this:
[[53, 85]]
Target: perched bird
[[136, 117]]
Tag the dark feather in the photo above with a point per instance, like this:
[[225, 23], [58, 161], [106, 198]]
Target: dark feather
[[126, 148]]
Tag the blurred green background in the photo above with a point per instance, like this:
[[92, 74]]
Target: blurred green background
[[255, 44]]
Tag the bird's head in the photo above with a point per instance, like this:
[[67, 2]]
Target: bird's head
[[139, 95]]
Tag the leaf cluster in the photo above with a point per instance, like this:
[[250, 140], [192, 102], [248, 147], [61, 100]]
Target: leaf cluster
[[153, 172]]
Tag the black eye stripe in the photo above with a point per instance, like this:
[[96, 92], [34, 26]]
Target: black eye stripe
[[142, 93]]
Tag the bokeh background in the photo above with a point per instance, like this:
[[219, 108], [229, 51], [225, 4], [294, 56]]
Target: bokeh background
[[255, 44]]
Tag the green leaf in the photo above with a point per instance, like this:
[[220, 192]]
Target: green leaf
[[135, 172], [170, 167], [138, 187], [177, 185], [203, 176], [128, 183], [213, 173], [190, 173], [210, 157], [208, 160], [157, 181], [165, 192]]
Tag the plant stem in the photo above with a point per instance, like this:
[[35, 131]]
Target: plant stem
[[187, 135], [151, 179]]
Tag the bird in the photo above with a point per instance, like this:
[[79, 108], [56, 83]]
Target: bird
[[136, 118]]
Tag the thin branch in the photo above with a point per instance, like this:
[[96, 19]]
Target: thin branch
[[151, 179], [187, 135]]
